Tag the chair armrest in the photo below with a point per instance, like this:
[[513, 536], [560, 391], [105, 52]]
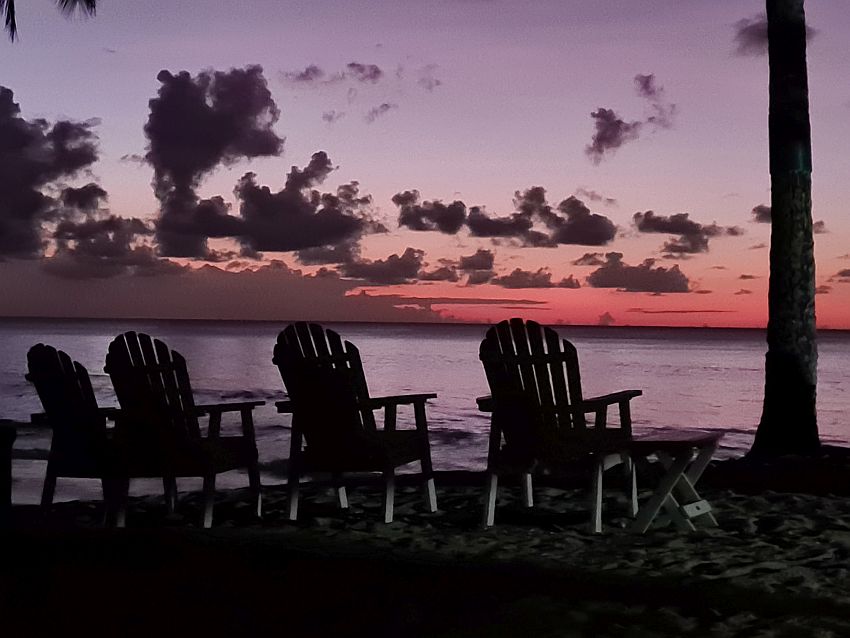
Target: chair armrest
[[219, 408], [594, 403], [485, 403]]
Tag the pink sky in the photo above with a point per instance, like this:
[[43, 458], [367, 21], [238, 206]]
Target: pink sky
[[460, 100]]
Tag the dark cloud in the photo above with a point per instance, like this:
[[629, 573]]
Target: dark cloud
[[611, 131], [757, 246], [299, 217], [86, 198], [823, 290], [395, 269], [703, 292], [761, 214], [746, 277], [843, 275], [642, 278], [364, 72], [751, 35], [446, 218], [570, 223], [482, 225], [480, 260], [331, 254], [606, 319], [314, 74], [589, 259], [196, 124], [332, 116], [478, 277], [577, 225], [442, 273], [311, 73], [593, 196], [379, 111], [663, 112], [296, 218], [36, 156], [693, 236], [744, 291], [103, 246], [540, 278]]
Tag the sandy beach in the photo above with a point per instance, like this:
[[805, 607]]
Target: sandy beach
[[777, 565]]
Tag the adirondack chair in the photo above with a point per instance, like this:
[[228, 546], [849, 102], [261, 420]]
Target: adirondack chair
[[333, 413], [538, 409], [81, 446], [160, 420]]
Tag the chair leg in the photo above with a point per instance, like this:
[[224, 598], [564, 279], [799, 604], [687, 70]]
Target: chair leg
[[209, 500], [256, 488], [631, 482], [292, 484], [339, 488], [389, 494], [491, 487], [527, 498], [596, 498], [49, 489], [427, 467], [169, 486], [115, 495]]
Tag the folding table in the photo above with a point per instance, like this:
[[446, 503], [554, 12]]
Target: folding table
[[685, 455]]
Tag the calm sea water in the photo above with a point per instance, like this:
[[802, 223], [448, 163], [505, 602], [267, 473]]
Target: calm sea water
[[689, 377]]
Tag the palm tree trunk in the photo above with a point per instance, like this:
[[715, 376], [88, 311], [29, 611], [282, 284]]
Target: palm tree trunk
[[789, 417]]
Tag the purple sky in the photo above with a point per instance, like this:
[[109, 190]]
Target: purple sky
[[626, 107]]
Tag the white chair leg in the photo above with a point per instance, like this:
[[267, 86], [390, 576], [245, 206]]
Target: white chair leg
[[596, 499], [293, 497], [122, 492], [256, 488], [389, 495], [430, 495], [209, 500], [631, 482], [527, 498], [491, 487], [341, 497]]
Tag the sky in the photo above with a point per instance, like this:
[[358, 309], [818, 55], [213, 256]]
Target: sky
[[441, 160]]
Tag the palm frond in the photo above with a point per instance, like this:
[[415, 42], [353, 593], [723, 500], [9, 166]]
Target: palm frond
[[68, 7], [7, 7]]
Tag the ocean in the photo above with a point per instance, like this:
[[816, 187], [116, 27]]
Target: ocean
[[694, 378]]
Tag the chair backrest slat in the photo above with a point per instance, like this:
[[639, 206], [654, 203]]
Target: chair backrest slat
[[152, 386], [541, 360], [66, 394], [309, 356], [533, 376]]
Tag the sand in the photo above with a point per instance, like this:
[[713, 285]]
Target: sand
[[777, 565]]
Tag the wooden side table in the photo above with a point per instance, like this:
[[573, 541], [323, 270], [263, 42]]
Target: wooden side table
[[685, 455]]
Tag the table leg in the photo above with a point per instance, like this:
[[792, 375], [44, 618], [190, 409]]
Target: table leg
[[648, 512]]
